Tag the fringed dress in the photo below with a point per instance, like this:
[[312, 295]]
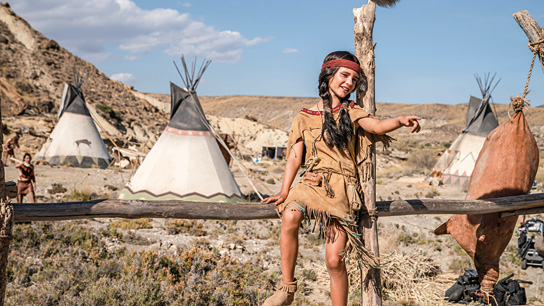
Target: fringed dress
[[329, 200]]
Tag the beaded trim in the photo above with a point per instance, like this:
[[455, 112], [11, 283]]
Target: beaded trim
[[334, 110]]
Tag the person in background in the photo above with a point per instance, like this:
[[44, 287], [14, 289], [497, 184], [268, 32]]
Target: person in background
[[26, 182], [9, 148]]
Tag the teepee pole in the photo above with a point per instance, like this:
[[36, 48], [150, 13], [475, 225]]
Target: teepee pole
[[6, 223], [364, 50]]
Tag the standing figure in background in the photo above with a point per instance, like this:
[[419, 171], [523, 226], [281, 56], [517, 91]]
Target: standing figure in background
[[9, 148], [26, 182]]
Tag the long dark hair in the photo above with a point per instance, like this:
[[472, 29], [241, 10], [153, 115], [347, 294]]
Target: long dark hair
[[338, 135]]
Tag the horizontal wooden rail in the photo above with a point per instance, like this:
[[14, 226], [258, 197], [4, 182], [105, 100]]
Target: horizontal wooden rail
[[130, 209]]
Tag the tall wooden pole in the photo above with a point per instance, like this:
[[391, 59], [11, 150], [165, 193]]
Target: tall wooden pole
[[364, 50], [6, 222], [533, 31]]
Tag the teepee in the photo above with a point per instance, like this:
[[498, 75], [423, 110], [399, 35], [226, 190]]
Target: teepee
[[185, 163], [456, 164], [75, 140]]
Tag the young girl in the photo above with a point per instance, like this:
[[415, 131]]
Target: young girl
[[26, 182], [333, 138]]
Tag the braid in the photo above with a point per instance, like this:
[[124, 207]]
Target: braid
[[345, 124], [330, 133], [338, 135]]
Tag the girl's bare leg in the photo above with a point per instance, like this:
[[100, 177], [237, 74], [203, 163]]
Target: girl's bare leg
[[336, 242], [291, 220]]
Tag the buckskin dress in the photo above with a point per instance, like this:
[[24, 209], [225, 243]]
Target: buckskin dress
[[338, 167]]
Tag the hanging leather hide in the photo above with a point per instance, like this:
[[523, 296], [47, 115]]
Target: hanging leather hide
[[506, 166]]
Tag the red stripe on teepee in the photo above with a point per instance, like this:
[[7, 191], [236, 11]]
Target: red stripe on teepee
[[188, 133]]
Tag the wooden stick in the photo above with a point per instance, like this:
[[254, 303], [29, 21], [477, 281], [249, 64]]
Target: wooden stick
[[6, 224], [133, 209], [364, 50], [531, 29]]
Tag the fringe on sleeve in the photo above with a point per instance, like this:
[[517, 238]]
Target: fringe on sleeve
[[362, 151]]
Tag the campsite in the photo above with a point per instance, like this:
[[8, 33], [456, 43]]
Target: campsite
[[100, 144]]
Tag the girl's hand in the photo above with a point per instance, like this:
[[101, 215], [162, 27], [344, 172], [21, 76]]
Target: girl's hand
[[411, 121], [278, 199]]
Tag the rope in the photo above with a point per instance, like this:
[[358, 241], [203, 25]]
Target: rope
[[517, 103], [525, 91], [537, 48]]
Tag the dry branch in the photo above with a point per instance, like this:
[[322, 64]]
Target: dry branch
[[531, 29], [364, 18], [113, 208]]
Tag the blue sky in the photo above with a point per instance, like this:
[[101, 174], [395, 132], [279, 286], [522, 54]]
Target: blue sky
[[427, 50]]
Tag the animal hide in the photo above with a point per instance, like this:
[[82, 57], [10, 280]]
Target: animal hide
[[506, 166]]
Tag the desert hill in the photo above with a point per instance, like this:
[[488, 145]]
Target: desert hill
[[442, 123], [33, 70]]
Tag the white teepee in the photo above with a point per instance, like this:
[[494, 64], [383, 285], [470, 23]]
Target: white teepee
[[456, 164], [186, 162], [75, 140]]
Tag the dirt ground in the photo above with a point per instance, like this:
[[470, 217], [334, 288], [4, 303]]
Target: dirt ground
[[237, 237]]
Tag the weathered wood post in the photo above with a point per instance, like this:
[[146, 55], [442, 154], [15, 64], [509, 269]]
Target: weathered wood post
[[364, 50], [6, 222], [533, 31]]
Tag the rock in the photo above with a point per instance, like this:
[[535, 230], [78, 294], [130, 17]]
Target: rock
[[50, 45], [3, 40], [24, 87], [34, 75]]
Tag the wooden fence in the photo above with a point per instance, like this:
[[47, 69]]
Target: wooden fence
[[130, 209]]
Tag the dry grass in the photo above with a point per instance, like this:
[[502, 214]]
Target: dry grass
[[132, 224], [411, 280]]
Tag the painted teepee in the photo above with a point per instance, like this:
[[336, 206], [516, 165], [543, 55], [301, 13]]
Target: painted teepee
[[186, 162], [75, 140], [456, 164]]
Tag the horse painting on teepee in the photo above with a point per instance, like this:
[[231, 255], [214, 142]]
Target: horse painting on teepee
[[186, 162], [456, 164], [75, 140]]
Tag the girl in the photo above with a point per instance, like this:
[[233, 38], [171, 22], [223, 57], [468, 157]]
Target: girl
[[333, 138], [26, 182]]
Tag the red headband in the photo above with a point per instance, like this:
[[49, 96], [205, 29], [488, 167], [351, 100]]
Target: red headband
[[342, 63]]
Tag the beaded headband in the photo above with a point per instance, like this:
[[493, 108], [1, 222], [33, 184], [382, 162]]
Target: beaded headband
[[342, 63]]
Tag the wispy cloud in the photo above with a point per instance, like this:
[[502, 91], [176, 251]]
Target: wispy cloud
[[130, 57], [125, 78], [289, 50], [89, 28]]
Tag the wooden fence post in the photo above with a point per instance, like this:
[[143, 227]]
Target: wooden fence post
[[364, 50], [6, 221]]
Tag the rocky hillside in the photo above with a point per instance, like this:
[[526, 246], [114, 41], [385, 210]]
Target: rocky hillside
[[33, 70], [441, 123]]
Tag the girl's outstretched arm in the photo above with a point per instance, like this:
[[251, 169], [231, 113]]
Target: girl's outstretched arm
[[291, 167], [375, 126]]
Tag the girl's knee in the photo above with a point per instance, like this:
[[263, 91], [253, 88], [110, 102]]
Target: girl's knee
[[292, 217], [335, 263]]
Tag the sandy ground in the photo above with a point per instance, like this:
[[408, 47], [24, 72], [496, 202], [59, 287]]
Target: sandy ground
[[107, 183]]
